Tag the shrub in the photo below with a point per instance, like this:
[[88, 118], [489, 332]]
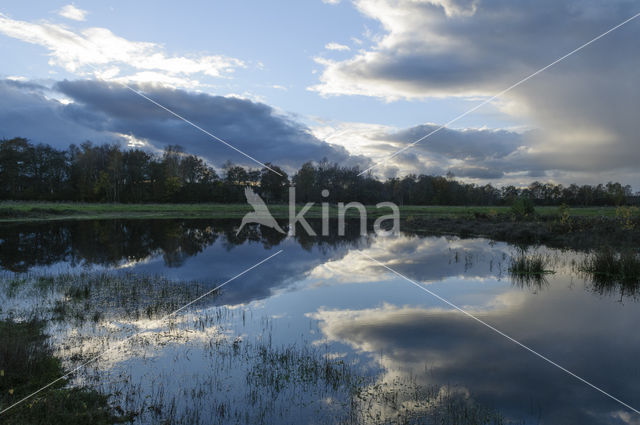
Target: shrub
[[627, 216], [522, 207]]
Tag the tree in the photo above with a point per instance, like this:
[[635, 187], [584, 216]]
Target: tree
[[274, 187], [15, 167], [305, 181]]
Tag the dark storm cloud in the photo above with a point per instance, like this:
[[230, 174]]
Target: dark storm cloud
[[478, 154], [461, 144], [252, 127], [102, 112], [26, 111], [476, 173]]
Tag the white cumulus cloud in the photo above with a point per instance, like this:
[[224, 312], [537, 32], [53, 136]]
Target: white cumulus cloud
[[71, 12], [336, 46], [97, 50]]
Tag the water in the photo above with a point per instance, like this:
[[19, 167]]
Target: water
[[238, 356]]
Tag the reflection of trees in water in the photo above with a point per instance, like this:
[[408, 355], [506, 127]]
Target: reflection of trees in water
[[113, 242]]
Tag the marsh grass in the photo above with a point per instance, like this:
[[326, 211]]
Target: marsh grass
[[530, 269], [103, 295], [405, 401], [27, 363], [305, 366], [608, 270], [240, 379]]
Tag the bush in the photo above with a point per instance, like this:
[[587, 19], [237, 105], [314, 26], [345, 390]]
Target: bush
[[627, 216], [523, 207]]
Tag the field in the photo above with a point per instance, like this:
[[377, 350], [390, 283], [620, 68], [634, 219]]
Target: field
[[32, 211]]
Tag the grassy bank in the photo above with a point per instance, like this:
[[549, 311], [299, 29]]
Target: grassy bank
[[577, 228], [26, 365], [21, 211]]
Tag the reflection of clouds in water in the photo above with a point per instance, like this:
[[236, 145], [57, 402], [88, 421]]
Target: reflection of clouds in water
[[442, 347], [117, 341], [406, 336], [427, 259]]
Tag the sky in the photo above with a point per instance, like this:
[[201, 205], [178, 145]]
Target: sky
[[352, 81]]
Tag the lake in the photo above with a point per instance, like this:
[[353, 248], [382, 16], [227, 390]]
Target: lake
[[321, 333]]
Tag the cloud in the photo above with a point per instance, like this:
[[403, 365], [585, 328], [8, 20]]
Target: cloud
[[71, 12], [98, 51], [30, 110], [443, 48], [478, 155], [336, 46], [105, 112], [435, 346], [583, 108], [432, 260]]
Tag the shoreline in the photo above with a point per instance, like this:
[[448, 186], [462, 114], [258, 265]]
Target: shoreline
[[580, 228], [18, 211]]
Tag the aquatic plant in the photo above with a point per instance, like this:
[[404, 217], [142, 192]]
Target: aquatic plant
[[239, 378], [529, 269], [524, 263], [608, 270]]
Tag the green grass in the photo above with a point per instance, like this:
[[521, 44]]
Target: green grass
[[608, 267], [529, 264], [529, 270], [26, 365], [34, 211]]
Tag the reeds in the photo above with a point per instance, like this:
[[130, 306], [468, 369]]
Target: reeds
[[608, 270], [530, 269]]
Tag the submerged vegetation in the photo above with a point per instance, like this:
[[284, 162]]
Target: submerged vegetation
[[405, 401], [237, 378], [99, 296]]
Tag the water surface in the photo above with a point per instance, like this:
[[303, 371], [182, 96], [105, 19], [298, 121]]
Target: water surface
[[320, 297]]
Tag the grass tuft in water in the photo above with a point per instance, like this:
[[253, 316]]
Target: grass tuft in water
[[530, 269]]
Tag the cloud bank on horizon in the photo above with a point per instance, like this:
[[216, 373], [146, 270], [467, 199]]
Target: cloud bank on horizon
[[580, 116], [108, 113]]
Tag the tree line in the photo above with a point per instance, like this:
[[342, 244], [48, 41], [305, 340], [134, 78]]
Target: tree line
[[109, 173]]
